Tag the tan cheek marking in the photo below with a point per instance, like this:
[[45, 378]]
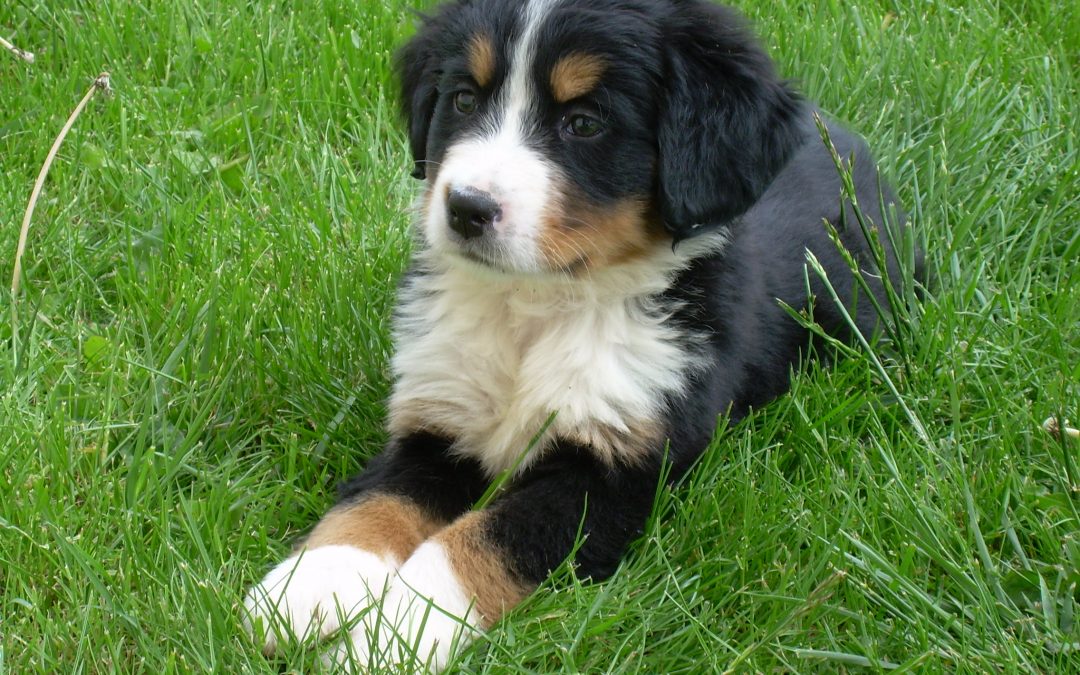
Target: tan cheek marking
[[481, 58], [481, 568], [575, 75], [581, 237], [381, 524]]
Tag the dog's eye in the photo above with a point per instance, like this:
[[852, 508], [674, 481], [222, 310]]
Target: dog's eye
[[465, 102], [583, 126]]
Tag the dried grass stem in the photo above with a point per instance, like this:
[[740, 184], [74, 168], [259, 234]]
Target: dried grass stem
[[101, 83], [19, 53]]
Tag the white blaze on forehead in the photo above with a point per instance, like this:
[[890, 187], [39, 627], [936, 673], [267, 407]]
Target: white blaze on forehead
[[520, 94], [499, 160]]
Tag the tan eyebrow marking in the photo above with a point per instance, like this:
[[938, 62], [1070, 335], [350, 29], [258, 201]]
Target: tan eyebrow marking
[[576, 75], [481, 56]]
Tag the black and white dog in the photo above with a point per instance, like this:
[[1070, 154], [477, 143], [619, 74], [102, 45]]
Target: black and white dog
[[618, 194]]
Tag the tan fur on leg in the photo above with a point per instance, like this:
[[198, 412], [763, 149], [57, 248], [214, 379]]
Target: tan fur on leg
[[481, 568], [382, 524]]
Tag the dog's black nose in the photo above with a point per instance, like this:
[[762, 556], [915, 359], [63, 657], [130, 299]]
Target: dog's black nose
[[471, 212]]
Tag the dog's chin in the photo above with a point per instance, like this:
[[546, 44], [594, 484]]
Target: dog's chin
[[476, 260], [495, 258], [484, 259], [492, 263]]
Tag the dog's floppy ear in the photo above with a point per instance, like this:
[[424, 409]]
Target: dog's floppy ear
[[727, 124], [418, 74]]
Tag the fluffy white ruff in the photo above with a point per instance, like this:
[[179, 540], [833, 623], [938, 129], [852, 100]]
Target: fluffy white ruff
[[310, 594], [425, 617], [486, 357]]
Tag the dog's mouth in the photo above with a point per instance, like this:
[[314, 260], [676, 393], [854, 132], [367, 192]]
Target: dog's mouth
[[483, 253], [477, 255], [557, 243], [488, 258]]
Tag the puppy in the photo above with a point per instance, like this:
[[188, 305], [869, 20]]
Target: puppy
[[617, 197]]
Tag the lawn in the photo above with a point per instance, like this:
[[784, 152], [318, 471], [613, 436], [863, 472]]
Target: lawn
[[199, 353]]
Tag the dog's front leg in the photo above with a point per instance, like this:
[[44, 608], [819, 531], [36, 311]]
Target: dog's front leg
[[342, 568], [465, 577]]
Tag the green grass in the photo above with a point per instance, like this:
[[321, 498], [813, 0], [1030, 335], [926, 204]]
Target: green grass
[[201, 345]]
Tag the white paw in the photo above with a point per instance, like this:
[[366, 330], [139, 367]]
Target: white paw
[[425, 617], [312, 593]]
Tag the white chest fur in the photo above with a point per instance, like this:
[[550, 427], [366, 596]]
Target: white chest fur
[[487, 359]]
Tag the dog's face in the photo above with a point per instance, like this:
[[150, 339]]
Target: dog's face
[[564, 136]]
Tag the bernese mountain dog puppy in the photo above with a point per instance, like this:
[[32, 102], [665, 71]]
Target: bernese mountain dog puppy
[[618, 195]]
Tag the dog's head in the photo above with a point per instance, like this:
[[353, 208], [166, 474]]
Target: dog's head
[[570, 135]]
